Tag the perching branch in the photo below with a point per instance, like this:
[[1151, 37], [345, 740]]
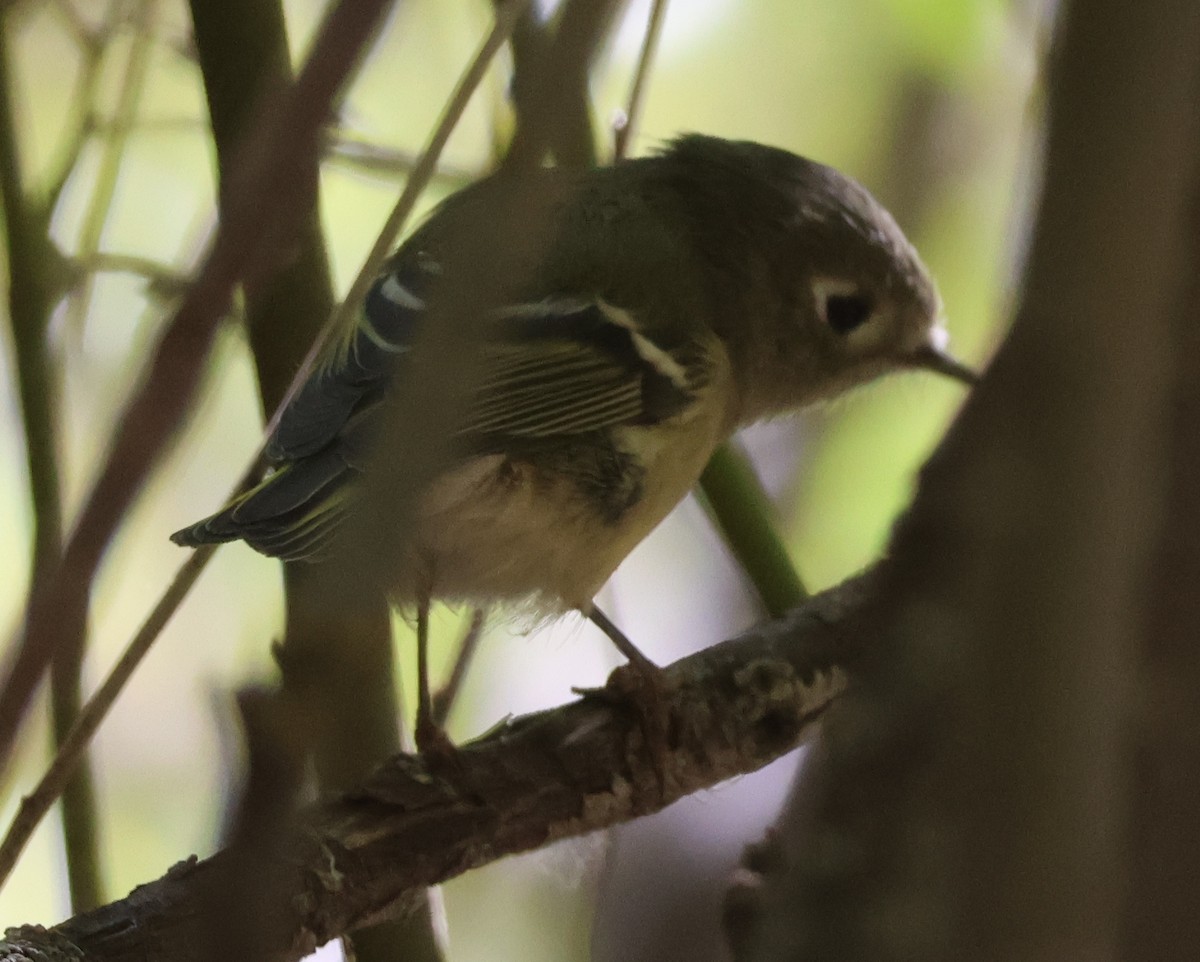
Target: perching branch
[[553, 775]]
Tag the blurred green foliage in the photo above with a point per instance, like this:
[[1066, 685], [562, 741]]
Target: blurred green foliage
[[838, 81]]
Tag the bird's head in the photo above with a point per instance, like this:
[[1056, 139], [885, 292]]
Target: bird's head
[[863, 301], [837, 294]]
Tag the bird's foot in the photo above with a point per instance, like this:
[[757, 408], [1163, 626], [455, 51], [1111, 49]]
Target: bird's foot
[[435, 747], [644, 687]]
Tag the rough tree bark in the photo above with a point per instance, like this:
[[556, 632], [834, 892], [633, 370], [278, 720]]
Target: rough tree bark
[[733, 708], [971, 799]]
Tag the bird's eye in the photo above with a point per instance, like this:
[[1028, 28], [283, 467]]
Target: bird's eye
[[847, 312]]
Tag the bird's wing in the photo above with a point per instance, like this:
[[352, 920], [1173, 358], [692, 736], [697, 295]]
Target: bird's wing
[[561, 366], [573, 366]]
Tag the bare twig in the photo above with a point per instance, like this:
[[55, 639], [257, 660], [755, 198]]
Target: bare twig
[[352, 151], [163, 281], [79, 811], [133, 82], [443, 700], [627, 128], [557, 774], [91, 52], [551, 83], [83, 34], [35, 805]]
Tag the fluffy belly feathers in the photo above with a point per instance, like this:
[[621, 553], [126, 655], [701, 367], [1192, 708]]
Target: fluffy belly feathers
[[498, 529]]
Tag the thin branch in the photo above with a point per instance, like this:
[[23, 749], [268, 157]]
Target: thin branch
[[83, 125], [444, 699], [352, 151], [79, 814], [267, 187], [71, 749], [133, 83], [84, 35], [557, 774], [551, 82], [163, 281], [30, 301], [627, 129]]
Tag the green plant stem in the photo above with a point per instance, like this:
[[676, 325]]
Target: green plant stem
[[742, 512]]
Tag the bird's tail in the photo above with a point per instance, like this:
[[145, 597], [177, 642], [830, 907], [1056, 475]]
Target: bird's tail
[[291, 514]]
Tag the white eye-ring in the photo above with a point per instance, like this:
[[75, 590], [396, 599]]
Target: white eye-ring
[[842, 305]]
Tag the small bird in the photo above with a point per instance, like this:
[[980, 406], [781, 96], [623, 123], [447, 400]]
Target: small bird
[[682, 296]]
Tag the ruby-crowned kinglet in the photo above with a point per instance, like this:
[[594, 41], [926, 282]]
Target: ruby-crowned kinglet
[[683, 296]]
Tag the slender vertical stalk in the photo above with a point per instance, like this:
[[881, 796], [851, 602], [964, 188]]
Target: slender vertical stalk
[[641, 78], [742, 513], [32, 295]]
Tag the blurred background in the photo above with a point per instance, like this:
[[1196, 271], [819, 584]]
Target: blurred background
[[931, 104]]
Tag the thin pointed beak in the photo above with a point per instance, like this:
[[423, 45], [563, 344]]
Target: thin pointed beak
[[939, 360]]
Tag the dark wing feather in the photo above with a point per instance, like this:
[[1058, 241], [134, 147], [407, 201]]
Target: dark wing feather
[[360, 363], [571, 367], [288, 514]]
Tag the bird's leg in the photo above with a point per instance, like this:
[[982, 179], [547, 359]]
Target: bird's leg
[[648, 694], [639, 662], [430, 737]]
